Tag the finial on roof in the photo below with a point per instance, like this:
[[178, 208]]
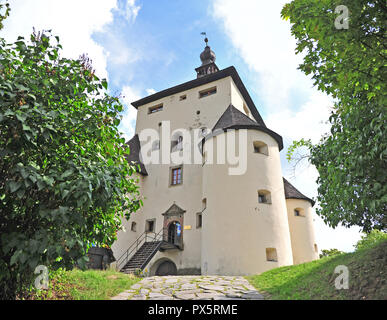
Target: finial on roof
[[208, 60]]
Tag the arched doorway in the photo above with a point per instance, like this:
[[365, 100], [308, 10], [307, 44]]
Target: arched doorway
[[166, 268], [174, 232]]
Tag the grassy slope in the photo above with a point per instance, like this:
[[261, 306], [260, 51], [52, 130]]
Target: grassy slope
[[86, 285], [316, 279]]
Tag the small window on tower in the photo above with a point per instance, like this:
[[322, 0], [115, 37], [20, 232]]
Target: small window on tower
[[183, 97], [261, 147], [298, 212], [207, 92], [199, 220], [271, 254], [264, 196], [133, 227]]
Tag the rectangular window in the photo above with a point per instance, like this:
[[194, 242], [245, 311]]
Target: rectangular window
[[207, 92], [150, 225], [183, 97], [264, 196], [199, 220], [297, 213], [271, 254], [176, 176], [155, 109]]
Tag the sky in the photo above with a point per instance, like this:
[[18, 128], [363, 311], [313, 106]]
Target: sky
[[144, 46]]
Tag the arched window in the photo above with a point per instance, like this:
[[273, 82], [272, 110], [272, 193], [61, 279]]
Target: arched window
[[261, 147], [271, 254], [264, 196], [133, 227], [315, 248]]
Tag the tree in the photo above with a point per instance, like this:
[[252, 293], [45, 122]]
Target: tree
[[330, 252], [64, 181], [349, 64], [369, 240]]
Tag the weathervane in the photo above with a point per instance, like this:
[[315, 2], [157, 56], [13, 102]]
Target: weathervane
[[205, 39]]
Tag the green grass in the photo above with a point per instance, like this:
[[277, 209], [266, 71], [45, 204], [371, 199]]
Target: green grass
[[85, 285], [316, 279]]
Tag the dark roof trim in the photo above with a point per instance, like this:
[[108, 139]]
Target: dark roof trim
[[230, 71], [292, 193], [271, 133], [135, 154]]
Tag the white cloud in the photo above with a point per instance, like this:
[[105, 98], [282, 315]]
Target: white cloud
[[128, 122], [129, 10], [73, 21], [150, 91], [264, 42], [309, 121]]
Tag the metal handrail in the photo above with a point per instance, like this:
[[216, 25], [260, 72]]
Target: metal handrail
[[134, 247]]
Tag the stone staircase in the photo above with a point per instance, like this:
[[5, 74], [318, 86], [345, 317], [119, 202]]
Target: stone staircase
[[142, 257]]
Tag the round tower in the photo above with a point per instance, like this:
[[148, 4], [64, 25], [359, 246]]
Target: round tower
[[245, 226], [300, 216]]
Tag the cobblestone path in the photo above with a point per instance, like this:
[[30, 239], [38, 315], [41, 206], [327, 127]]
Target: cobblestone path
[[191, 288]]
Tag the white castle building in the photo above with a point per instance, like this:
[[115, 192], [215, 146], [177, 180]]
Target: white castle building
[[200, 217]]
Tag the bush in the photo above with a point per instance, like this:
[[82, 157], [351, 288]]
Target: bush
[[330, 252], [371, 239]]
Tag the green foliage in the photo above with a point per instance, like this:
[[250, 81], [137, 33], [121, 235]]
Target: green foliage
[[84, 285], [369, 240], [330, 252], [315, 280], [350, 65], [65, 183], [4, 12]]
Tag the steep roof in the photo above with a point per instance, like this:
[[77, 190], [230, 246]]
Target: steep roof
[[134, 155], [232, 118], [292, 193], [228, 72]]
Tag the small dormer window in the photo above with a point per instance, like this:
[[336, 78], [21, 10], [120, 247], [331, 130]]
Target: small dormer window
[[207, 92], [155, 109]]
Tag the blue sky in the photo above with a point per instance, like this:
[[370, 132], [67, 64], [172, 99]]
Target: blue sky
[[143, 46]]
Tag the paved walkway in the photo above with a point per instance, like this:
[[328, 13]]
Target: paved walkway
[[191, 288]]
